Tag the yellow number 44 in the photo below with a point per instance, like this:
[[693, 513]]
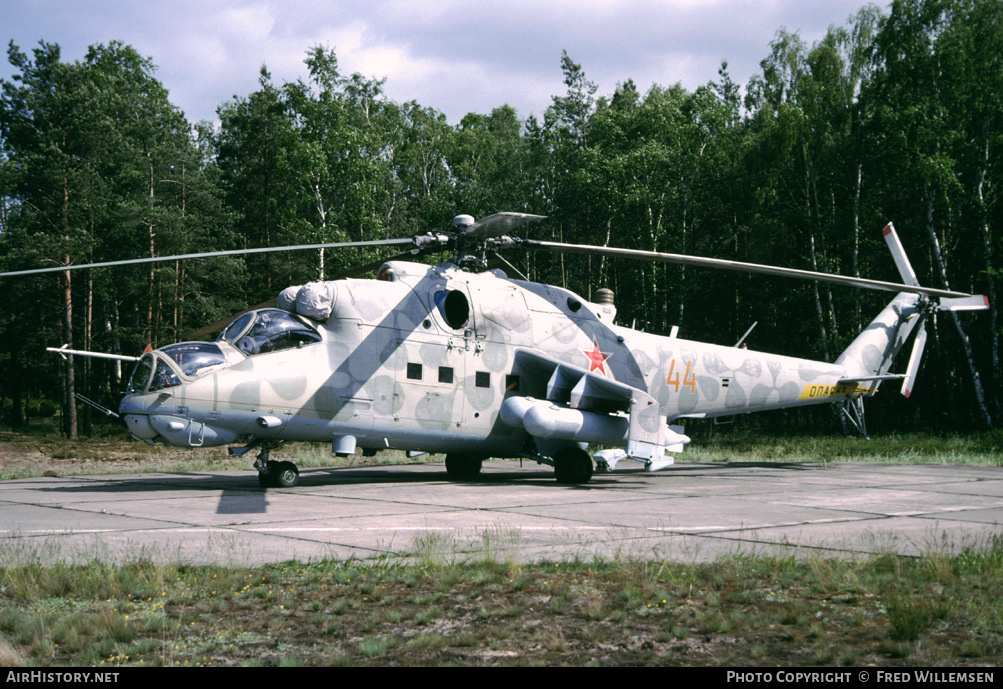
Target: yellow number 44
[[689, 379]]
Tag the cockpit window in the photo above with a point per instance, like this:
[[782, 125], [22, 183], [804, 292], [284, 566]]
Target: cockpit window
[[141, 374], [152, 373], [194, 357], [236, 329], [273, 330], [163, 377]]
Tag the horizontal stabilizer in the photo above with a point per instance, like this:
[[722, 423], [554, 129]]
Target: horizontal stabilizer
[[861, 379]]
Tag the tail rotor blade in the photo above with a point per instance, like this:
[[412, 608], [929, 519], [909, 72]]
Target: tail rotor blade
[[976, 302], [899, 255], [914, 360]]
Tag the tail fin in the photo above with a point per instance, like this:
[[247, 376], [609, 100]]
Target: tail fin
[[870, 355]]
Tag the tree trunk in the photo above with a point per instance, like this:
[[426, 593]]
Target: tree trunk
[[69, 384], [972, 370], [987, 254]]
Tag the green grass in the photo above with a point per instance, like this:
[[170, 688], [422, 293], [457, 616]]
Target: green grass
[[934, 610], [983, 449], [39, 450]]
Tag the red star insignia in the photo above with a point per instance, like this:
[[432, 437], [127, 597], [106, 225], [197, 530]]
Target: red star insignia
[[597, 360]]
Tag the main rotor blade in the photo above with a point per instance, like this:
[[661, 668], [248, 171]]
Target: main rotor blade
[[223, 322], [273, 303], [498, 224], [741, 266], [373, 265], [497, 260], [209, 254]]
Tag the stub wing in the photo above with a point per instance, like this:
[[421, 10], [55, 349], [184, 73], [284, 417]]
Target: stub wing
[[568, 403]]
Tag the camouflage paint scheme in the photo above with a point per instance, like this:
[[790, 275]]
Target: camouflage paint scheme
[[545, 346]]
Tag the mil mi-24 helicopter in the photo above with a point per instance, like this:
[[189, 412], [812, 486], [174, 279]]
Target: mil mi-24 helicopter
[[465, 361]]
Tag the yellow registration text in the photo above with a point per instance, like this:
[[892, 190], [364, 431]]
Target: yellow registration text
[[814, 392]]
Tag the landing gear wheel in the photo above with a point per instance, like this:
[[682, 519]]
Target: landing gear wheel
[[279, 475], [573, 466], [462, 467], [285, 474]]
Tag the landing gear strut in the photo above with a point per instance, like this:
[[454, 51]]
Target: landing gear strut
[[270, 474]]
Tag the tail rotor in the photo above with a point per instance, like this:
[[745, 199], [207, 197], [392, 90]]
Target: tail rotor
[[928, 306]]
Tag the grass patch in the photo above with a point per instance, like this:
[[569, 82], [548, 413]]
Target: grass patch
[[982, 449], [39, 450], [737, 610]]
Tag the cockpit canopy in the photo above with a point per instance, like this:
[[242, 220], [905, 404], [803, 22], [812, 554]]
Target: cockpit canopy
[[268, 330], [255, 332], [193, 359]]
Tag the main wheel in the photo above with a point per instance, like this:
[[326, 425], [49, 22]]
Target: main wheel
[[266, 479], [462, 467], [285, 475], [573, 466]]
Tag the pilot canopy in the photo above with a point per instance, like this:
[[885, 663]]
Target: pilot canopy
[[158, 370]]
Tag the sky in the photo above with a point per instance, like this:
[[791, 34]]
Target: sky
[[456, 56]]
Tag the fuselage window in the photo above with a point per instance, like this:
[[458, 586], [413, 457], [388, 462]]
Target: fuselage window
[[445, 374], [482, 379], [414, 371]]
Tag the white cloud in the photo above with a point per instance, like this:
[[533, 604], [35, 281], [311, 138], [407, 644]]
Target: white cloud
[[451, 55]]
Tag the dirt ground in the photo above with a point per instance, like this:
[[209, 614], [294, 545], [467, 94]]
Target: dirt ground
[[39, 452]]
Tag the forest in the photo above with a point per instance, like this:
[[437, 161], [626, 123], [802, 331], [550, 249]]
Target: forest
[[894, 116]]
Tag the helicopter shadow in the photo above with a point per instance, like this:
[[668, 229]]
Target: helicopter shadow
[[240, 494]]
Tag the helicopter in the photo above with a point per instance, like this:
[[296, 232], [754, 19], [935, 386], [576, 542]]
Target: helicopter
[[461, 359]]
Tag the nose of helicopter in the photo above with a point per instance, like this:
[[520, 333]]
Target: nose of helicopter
[[133, 414], [150, 423], [139, 426]]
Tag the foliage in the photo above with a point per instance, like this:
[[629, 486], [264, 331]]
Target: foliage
[[892, 116]]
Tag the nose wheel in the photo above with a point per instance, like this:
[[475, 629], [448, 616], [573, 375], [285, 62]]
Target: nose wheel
[[277, 474], [271, 474]]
